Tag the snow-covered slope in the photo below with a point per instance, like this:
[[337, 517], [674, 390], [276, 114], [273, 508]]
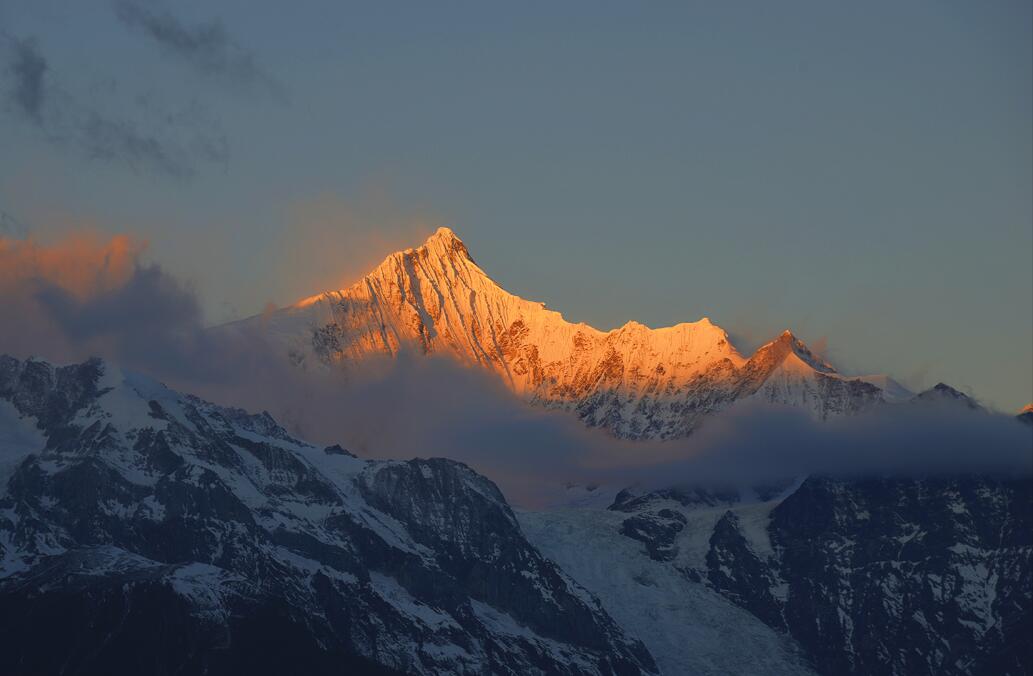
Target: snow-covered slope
[[634, 381], [688, 627], [901, 576], [145, 531]]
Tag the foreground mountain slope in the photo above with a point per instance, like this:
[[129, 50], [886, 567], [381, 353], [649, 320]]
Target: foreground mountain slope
[[688, 627], [634, 381], [896, 576], [146, 531]]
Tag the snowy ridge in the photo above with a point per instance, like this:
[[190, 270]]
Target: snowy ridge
[[688, 627], [897, 576], [145, 501], [634, 381]]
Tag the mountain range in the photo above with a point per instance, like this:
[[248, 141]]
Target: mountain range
[[634, 381], [147, 530]]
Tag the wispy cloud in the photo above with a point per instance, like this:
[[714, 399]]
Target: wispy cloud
[[28, 68], [112, 139], [146, 138], [11, 226], [142, 130], [207, 47]]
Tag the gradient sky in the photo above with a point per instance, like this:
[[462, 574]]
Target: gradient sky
[[859, 172]]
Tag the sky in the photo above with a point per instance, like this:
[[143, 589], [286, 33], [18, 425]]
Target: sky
[[859, 173]]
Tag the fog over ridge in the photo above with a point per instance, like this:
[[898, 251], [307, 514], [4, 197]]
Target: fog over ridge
[[141, 317]]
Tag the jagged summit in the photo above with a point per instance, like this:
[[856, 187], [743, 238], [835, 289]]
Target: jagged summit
[[441, 250], [942, 392], [444, 243], [633, 380], [786, 347], [444, 232]]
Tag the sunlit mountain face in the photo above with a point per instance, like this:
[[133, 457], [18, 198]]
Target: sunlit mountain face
[[633, 381]]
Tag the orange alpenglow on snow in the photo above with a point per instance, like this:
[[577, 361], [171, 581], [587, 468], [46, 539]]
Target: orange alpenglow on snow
[[635, 381]]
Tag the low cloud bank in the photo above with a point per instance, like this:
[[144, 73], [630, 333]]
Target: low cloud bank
[[83, 296]]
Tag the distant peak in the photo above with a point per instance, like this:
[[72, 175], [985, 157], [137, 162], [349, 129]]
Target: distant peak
[[787, 343], [786, 339], [444, 242], [944, 392], [443, 234]]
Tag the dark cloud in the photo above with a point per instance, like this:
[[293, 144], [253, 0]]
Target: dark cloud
[[11, 226], [141, 130], [28, 69], [144, 135], [118, 140], [145, 314], [207, 47], [758, 443], [73, 300]]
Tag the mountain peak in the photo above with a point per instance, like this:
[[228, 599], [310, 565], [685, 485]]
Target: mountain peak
[[942, 392], [444, 243], [788, 344], [445, 234], [636, 381]]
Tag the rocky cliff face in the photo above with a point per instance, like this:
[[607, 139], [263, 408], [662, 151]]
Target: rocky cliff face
[[903, 576], [144, 531], [634, 381], [866, 576]]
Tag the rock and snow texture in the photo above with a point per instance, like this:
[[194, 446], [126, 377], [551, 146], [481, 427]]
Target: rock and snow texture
[[634, 381], [688, 627], [144, 531], [879, 576]]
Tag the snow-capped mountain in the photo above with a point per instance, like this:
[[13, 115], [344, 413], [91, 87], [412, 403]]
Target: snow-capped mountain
[[145, 531], [634, 381], [142, 530], [944, 393], [893, 576]]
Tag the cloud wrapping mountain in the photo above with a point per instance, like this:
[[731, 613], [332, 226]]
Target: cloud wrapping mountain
[[85, 297]]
